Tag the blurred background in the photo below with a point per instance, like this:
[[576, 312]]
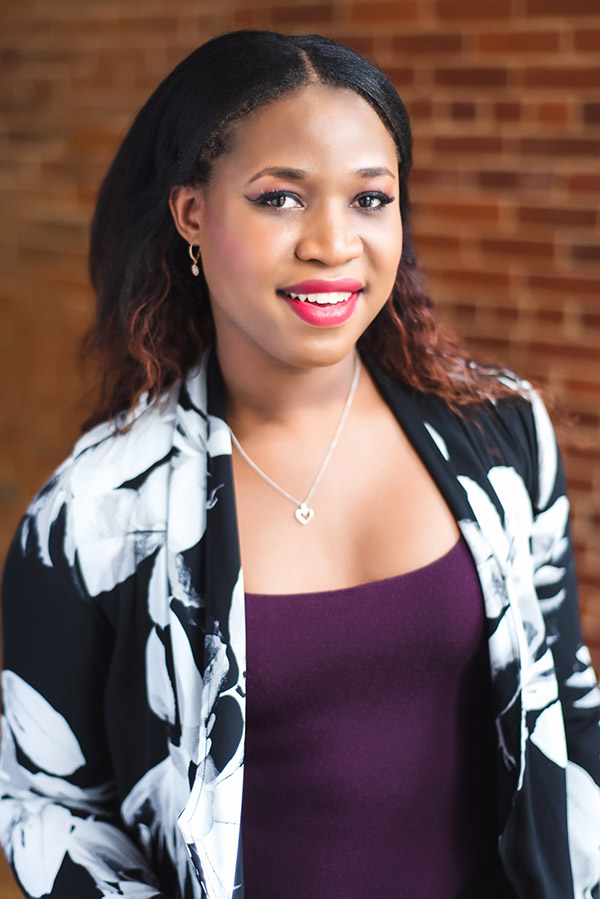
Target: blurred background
[[504, 97]]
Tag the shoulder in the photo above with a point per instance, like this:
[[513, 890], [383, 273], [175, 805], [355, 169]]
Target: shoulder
[[105, 508], [511, 431], [521, 428]]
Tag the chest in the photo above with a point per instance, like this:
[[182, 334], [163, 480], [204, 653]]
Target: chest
[[377, 513]]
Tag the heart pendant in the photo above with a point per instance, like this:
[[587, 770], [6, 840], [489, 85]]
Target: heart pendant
[[304, 514]]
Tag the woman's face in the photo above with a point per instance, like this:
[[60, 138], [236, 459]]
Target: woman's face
[[299, 229]]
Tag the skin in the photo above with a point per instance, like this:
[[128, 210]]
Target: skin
[[286, 380]]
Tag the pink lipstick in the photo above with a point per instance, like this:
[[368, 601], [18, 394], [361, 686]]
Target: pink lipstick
[[318, 285], [323, 303]]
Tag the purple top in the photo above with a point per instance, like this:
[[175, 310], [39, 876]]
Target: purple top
[[369, 747]]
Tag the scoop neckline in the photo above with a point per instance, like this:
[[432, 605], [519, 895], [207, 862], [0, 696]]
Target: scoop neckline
[[337, 591]]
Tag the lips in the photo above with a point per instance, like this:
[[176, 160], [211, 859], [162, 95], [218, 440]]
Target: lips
[[316, 290], [323, 303]]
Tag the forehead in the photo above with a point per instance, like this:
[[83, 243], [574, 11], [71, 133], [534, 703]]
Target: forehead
[[316, 126]]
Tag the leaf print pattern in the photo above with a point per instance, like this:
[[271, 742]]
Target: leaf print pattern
[[133, 783], [40, 730], [161, 696], [150, 809], [40, 830], [22, 780], [39, 833], [584, 681]]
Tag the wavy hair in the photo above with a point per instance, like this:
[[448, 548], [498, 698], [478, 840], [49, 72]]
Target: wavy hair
[[152, 318]]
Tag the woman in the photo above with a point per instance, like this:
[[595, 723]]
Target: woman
[[275, 390]]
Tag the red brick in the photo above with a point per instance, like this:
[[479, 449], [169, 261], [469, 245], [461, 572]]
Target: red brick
[[584, 453], [564, 8], [519, 42], [475, 77], [476, 278], [400, 76], [492, 349], [506, 313], [533, 249], [244, 18], [553, 113], [507, 111], [558, 216], [463, 311], [435, 177], [553, 351], [586, 252], [385, 11], [587, 182], [546, 316], [579, 485], [456, 210], [591, 113], [587, 40], [318, 13], [566, 77], [566, 286], [360, 42], [419, 109], [427, 42], [466, 10], [521, 180], [444, 242], [462, 111], [559, 146], [588, 419], [471, 144], [140, 25]]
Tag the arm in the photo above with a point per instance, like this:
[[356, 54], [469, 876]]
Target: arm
[[58, 812], [578, 692]]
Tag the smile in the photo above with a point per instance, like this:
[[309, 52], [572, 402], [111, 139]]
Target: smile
[[323, 299]]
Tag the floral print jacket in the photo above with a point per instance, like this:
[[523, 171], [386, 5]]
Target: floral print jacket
[[121, 769]]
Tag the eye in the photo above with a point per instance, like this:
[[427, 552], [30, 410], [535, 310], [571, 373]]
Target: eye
[[277, 199], [373, 199]]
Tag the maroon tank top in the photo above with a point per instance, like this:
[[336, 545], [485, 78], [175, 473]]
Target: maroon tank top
[[369, 765]]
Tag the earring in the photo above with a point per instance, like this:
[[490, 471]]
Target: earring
[[195, 268]]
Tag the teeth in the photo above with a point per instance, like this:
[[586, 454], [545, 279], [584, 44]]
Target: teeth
[[324, 299]]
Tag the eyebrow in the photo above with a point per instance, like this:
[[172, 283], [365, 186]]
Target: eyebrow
[[298, 174]]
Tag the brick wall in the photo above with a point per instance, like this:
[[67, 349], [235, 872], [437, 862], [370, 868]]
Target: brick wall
[[505, 102]]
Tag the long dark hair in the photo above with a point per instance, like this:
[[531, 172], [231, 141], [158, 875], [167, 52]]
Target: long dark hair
[[153, 317]]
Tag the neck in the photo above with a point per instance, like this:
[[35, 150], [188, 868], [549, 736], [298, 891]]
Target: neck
[[267, 391]]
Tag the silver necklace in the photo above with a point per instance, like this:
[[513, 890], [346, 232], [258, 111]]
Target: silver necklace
[[304, 513]]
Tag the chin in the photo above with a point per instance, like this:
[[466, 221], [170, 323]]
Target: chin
[[320, 352]]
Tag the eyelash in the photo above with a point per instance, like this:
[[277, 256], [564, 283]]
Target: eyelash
[[264, 199]]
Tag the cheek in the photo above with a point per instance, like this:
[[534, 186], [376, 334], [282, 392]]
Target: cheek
[[229, 256], [389, 250], [244, 248]]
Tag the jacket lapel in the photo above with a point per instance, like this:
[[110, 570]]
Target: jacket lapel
[[211, 819], [450, 448]]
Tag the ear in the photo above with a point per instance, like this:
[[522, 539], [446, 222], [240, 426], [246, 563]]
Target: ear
[[186, 204]]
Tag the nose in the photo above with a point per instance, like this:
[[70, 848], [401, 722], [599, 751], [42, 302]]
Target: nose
[[328, 236]]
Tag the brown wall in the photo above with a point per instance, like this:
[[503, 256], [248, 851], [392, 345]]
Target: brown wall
[[505, 101]]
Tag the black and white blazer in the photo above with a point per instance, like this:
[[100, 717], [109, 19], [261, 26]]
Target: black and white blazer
[[121, 770]]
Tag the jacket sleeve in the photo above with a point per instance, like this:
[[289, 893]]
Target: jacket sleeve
[[59, 825], [579, 693]]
